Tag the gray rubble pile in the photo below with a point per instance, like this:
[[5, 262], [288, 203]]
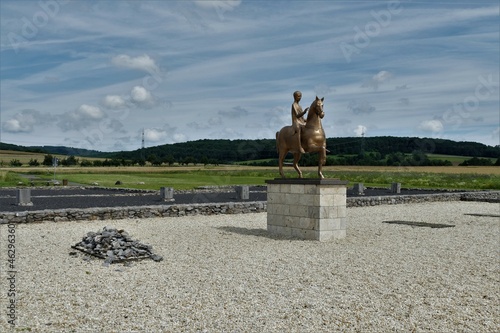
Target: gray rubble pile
[[114, 245]]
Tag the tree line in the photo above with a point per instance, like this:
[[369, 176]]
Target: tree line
[[383, 150], [417, 158], [229, 151]]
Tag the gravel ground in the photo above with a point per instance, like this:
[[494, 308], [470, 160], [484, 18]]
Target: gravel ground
[[224, 273]]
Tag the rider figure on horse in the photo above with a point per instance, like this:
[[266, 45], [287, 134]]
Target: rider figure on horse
[[298, 120]]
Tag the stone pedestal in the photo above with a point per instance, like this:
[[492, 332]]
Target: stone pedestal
[[305, 208]]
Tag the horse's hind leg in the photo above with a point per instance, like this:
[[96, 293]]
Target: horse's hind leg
[[321, 161], [296, 159], [281, 158], [320, 173]]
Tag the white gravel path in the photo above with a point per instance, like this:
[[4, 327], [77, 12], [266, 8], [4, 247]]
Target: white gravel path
[[225, 274]]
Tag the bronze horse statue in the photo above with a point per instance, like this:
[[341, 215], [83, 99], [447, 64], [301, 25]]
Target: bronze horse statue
[[312, 139]]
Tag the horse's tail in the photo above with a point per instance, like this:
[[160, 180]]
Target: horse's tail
[[277, 142]]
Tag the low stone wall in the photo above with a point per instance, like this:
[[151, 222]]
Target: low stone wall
[[116, 213], [493, 196], [487, 196], [223, 208]]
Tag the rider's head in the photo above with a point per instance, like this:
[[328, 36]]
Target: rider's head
[[297, 95]]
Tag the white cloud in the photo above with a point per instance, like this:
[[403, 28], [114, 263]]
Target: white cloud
[[84, 116], [143, 62], [15, 126], [377, 79], [25, 121], [155, 134], [433, 126], [140, 94], [114, 102], [142, 97], [360, 130], [89, 112]]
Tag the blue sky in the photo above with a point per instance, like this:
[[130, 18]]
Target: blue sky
[[95, 74]]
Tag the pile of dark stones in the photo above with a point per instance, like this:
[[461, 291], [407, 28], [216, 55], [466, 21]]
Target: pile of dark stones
[[114, 246]]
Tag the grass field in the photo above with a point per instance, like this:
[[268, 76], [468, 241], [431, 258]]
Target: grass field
[[455, 160], [452, 158], [182, 177]]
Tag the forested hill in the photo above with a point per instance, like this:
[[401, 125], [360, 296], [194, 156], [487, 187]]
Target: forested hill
[[56, 150], [244, 150], [224, 151], [390, 144]]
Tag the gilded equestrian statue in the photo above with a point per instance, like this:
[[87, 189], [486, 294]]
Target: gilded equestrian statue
[[303, 136]]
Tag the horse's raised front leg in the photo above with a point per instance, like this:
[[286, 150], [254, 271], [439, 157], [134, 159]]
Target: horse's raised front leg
[[296, 159]]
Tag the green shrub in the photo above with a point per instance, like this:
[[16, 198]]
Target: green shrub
[[15, 163]]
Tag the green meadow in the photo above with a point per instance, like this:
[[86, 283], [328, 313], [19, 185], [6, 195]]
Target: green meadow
[[182, 178]]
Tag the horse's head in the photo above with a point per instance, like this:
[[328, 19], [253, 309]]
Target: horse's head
[[317, 107]]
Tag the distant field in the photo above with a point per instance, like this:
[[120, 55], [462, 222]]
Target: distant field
[[455, 160], [7, 155], [24, 157]]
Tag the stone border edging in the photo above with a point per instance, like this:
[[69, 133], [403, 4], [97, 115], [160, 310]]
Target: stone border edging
[[130, 212], [73, 214], [484, 196]]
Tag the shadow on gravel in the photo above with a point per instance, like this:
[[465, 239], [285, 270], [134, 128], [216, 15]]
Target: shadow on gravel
[[484, 215], [253, 232], [421, 224]]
